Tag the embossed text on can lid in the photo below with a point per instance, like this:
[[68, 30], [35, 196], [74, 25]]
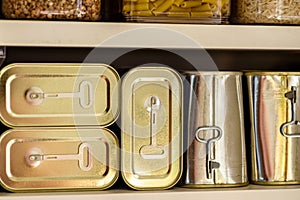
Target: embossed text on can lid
[[59, 95], [58, 159], [151, 128]]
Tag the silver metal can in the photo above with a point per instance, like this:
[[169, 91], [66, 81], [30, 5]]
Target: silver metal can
[[151, 139], [58, 159], [275, 128], [214, 131]]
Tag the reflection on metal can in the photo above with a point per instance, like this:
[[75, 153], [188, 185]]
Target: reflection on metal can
[[216, 154], [58, 159], [151, 128], [59, 95], [275, 131]]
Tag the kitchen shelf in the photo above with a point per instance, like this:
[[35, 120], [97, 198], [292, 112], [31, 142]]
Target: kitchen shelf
[[118, 35], [246, 193]]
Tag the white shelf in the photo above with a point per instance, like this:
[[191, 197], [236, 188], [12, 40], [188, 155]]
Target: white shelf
[[246, 193], [150, 35]]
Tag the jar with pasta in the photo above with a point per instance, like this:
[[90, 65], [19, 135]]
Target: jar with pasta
[[177, 11], [266, 11], [88, 10]]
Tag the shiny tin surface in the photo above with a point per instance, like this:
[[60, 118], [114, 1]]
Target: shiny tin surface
[[59, 94], [58, 159], [275, 129], [214, 131], [151, 137]]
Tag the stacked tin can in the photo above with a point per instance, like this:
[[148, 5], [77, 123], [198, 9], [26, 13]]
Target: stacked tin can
[[58, 112]]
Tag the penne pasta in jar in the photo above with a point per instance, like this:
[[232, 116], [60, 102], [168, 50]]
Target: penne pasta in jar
[[177, 11]]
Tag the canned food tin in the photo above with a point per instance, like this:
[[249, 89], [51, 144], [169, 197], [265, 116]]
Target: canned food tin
[[59, 95], [216, 153], [151, 128], [275, 130], [58, 159]]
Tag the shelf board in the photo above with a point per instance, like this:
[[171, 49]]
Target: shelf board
[[147, 35], [246, 193]]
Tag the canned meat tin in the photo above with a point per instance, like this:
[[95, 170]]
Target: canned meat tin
[[58, 159], [216, 152], [59, 95], [151, 128], [275, 131]]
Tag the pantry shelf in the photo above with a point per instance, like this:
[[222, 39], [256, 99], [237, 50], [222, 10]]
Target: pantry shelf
[[147, 35], [246, 193]]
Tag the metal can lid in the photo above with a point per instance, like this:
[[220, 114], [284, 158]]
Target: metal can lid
[[151, 128], [58, 159], [44, 94]]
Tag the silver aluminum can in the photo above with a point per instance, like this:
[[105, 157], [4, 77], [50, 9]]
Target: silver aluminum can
[[215, 139]]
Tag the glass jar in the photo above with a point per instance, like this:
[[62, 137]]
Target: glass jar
[[177, 11], [88, 10], [266, 11]]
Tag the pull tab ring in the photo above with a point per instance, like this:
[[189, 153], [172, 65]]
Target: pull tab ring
[[292, 96], [208, 128]]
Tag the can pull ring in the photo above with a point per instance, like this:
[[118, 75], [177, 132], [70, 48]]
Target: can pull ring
[[153, 151], [35, 95], [211, 164], [292, 96], [34, 157]]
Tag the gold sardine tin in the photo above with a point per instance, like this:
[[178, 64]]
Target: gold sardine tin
[[275, 127], [58, 159], [59, 95], [151, 139]]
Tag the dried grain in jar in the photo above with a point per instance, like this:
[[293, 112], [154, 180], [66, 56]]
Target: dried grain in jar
[[88, 10], [266, 12]]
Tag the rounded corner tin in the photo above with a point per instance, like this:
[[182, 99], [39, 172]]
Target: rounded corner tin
[[58, 159], [151, 138], [46, 94]]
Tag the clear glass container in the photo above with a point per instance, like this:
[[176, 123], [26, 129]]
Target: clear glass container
[[89, 10], [177, 11], [266, 11]]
